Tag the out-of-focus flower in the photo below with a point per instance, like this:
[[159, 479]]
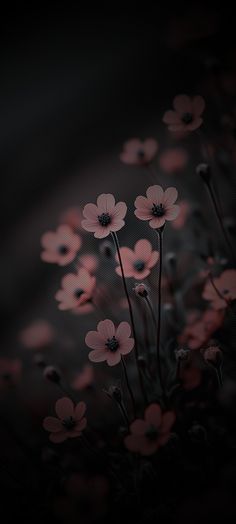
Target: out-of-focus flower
[[173, 160], [212, 355], [141, 290], [10, 372], [136, 152], [38, 335], [84, 379], [158, 206], [105, 217], [107, 249], [89, 261], [60, 246], [77, 290], [182, 354], [223, 292], [72, 217], [197, 333], [137, 263], [70, 422], [186, 115], [109, 343], [147, 435], [184, 210]]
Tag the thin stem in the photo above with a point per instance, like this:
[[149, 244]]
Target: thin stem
[[159, 233], [116, 242], [150, 306], [123, 411], [219, 376], [128, 385]]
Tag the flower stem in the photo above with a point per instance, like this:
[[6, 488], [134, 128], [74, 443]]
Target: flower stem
[[116, 242], [128, 385], [150, 306], [159, 233]]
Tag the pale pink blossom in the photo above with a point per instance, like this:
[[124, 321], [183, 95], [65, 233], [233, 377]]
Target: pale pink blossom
[[223, 292], [136, 152], [109, 343], [38, 335], [77, 290], [60, 246], [173, 160], [187, 114], [105, 217], [148, 435], [158, 206], [137, 263], [70, 421]]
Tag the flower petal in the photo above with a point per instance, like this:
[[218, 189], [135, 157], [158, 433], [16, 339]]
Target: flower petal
[[155, 194], [105, 203], [52, 424], [182, 104], [91, 212], [170, 196], [95, 340], [153, 415], [156, 222], [98, 355], [57, 438], [171, 117], [113, 358], [106, 329], [64, 408], [80, 410], [172, 212], [139, 427], [167, 422], [198, 105]]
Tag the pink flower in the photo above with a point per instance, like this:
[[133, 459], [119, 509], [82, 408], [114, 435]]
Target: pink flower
[[225, 285], [212, 355], [141, 290], [89, 262], [105, 217], [173, 160], [70, 422], [137, 263], [109, 343], [158, 206], [199, 331], [84, 379], [72, 217], [186, 115], [37, 335], [60, 246], [136, 152], [147, 435], [10, 372], [184, 210], [77, 290]]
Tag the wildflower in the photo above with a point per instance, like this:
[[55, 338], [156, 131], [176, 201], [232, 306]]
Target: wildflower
[[136, 152], [37, 335], [137, 263], [105, 217], [158, 206], [70, 422], [60, 246], [187, 114], [223, 292], [141, 290], [77, 290], [109, 343]]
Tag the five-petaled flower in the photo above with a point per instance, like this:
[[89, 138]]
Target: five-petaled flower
[[137, 263], [187, 114], [109, 343], [147, 435], [60, 246], [222, 290], [158, 206], [77, 290], [136, 152], [105, 217], [69, 423]]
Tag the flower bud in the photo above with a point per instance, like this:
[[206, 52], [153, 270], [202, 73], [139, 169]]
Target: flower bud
[[204, 171], [107, 249], [182, 354], [39, 360], [213, 355], [52, 374], [140, 290], [115, 393]]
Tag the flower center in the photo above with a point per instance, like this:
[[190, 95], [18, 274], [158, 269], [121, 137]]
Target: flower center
[[69, 423], [158, 210], [112, 344], [139, 265], [187, 118], [141, 154], [104, 219], [63, 250], [78, 292], [151, 433]]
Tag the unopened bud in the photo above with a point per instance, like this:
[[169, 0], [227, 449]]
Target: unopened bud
[[182, 354], [52, 374], [107, 249], [213, 355], [141, 290], [204, 171], [39, 360]]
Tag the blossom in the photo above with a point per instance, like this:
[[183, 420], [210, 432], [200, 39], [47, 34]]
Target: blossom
[[212, 355], [186, 115], [147, 435], [105, 217], [223, 291], [136, 152], [60, 246], [184, 210], [137, 263], [38, 335], [109, 343], [84, 379], [199, 330], [173, 160], [77, 290], [158, 206], [141, 290], [10, 371], [70, 421]]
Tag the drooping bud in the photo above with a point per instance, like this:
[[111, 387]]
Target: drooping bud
[[204, 171], [52, 374], [182, 354], [141, 290], [107, 249]]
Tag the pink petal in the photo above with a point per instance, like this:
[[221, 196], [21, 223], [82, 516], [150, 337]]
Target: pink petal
[[182, 104], [80, 410], [195, 124], [106, 329], [102, 232], [143, 249], [172, 212], [153, 415], [95, 340], [113, 358], [171, 117], [156, 222], [91, 212], [140, 275], [175, 128], [139, 427], [149, 447], [198, 105], [81, 425], [167, 422], [142, 203], [150, 147], [89, 225], [52, 424], [123, 331], [155, 194], [133, 145], [170, 196], [48, 256], [142, 214], [129, 158], [153, 259], [135, 443], [56, 438], [120, 210], [64, 408], [98, 355], [117, 224], [49, 240], [105, 203], [127, 346]]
